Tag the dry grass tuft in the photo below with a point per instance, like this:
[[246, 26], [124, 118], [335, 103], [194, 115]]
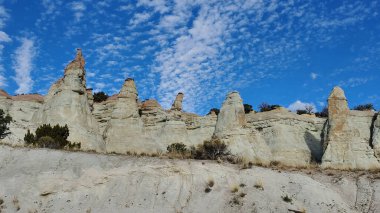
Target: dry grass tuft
[[234, 189], [259, 185]]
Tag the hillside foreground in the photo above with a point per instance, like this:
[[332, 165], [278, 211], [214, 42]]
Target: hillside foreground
[[43, 180]]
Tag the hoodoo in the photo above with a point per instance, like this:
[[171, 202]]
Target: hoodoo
[[177, 105], [348, 144], [68, 103]]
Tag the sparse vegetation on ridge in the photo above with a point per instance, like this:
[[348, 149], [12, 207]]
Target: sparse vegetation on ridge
[[100, 97], [210, 150], [5, 120], [248, 108], [364, 107], [265, 107]]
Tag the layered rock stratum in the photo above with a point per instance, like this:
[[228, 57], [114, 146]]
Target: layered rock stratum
[[122, 124]]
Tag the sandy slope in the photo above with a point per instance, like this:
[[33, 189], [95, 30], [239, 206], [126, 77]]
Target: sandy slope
[[40, 180]]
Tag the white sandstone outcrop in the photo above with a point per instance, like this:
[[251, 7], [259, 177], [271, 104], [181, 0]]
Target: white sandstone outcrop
[[348, 136], [124, 131], [376, 136], [231, 129], [67, 103], [293, 140], [348, 140]]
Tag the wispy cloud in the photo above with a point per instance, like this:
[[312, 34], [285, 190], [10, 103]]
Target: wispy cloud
[[78, 7], [23, 65], [313, 76], [4, 16], [139, 18], [4, 37], [354, 82]]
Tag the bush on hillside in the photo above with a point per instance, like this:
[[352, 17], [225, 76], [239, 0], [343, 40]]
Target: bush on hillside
[[4, 121], [364, 107], [323, 114], [247, 108], [177, 148], [48, 137], [265, 107], [214, 110], [210, 149], [100, 97], [301, 111]]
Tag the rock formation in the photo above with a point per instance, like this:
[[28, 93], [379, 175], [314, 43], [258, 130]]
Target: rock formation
[[349, 139], [68, 103], [231, 128], [124, 131], [177, 104], [376, 136], [348, 144]]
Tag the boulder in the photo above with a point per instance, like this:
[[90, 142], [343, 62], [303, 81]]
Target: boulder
[[68, 103], [348, 136]]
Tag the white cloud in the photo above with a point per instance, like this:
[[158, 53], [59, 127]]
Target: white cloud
[[139, 18], [299, 105], [23, 65], [354, 82], [4, 37], [313, 75], [78, 8], [99, 87], [4, 16]]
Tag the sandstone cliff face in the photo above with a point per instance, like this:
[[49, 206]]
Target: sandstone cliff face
[[293, 140], [376, 136], [348, 136], [124, 131], [41, 180], [21, 108], [347, 140], [68, 103]]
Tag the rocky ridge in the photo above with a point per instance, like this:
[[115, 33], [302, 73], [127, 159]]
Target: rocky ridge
[[348, 139]]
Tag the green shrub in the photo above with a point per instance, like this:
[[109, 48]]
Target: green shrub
[[29, 138], [210, 149], [100, 96], [323, 114], [177, 148], [364, 107], [264, 107], [301, 111], [49, 137], [247, 108], [47, 142], [4, 121]]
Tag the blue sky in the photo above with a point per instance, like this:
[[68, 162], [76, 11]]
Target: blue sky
[[281, 52]]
